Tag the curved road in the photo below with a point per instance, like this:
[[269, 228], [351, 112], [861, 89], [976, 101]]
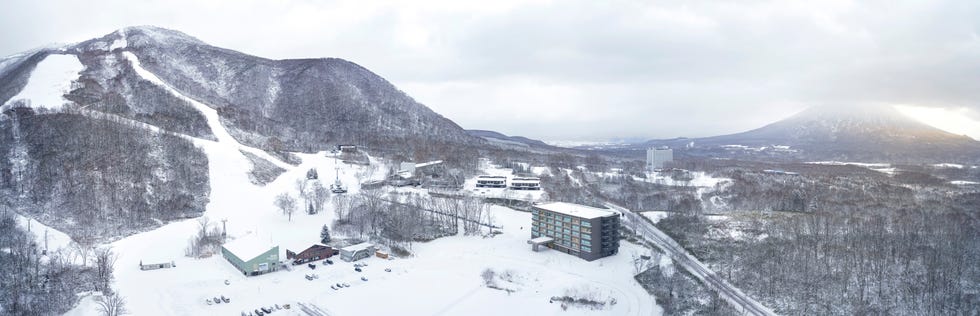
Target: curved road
[[725, 290]]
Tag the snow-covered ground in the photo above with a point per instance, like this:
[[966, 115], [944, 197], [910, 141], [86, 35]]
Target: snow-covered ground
[[655, 216], [489, 169], [964, 182], [50, 80], [699, 179], [880, 167], [55, 239], [443, 278]]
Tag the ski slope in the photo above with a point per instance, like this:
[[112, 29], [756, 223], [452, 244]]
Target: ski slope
[[49, 81]]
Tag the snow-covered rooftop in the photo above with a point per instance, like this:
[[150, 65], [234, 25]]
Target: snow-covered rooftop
[[426, 164], [249, 246], [576, 210], [357, 247]]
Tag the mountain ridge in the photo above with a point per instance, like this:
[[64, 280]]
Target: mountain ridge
[[844, 133]]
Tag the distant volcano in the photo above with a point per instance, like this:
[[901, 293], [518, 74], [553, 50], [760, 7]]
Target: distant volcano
[[878, 133]]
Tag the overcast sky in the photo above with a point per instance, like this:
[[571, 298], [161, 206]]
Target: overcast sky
[[587, 70]]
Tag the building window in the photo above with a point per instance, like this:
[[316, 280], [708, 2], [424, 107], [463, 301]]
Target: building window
[[586, 224], [587, 237], [575, 227], [586, 249], [586, 243]]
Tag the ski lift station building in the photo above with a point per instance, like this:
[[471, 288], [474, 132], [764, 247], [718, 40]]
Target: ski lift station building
[[357, 252], [252, 255]]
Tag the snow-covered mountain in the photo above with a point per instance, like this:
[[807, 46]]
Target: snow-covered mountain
[[101, 135], [873, 133]]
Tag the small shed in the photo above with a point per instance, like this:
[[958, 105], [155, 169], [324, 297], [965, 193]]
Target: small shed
[[357, 252], [347, 148], [252, 255], [154, 266], [381, 254]]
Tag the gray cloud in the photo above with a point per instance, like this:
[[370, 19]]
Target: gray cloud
[[584, 69]]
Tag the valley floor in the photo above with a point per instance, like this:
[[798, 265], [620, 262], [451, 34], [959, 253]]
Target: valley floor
[[443, 278]]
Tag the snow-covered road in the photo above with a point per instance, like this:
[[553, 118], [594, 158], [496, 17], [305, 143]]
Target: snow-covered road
[[725, 290]]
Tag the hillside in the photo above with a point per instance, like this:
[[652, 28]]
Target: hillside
[[108, 136]]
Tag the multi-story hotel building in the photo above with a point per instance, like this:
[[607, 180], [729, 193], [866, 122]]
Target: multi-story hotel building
[[657, 158], [584, 231]]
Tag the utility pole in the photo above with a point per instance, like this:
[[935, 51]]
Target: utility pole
[[224, 228]]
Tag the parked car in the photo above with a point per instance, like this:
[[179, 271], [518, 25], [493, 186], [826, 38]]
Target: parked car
[[308, 277], [266, 310], [208, 300], [328, 261], [333, 287], [259, 313], [357, 269], [364, 279], [225, 299], [339, 286], [387, 269], [346, 285], [277, 307], [312, 266], [217, 300]]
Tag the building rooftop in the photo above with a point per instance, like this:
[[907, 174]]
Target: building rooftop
[[249, 246], [576, 210], [357, 247], [491, 177], [527, 179]]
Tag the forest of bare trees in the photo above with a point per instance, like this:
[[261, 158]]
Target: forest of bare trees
[[838, 245], [33, 282], [115, 179], [402, 220]]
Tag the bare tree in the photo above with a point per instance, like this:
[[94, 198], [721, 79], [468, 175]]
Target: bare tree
[[111, 304], [320, 196], [287, 204], [105, 259]]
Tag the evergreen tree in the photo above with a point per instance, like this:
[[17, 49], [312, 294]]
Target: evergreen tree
[[325, 235]]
